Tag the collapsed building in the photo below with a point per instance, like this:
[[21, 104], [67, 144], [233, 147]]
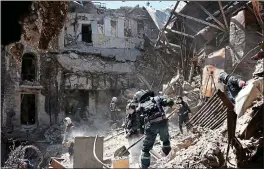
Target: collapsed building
[[101, 52]]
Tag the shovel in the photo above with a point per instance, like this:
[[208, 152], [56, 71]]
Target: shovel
[[123, 151]]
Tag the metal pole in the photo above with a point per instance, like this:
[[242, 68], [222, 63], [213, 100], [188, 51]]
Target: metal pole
[[198, 20], [209, 14], [223, 14], [181, 33]]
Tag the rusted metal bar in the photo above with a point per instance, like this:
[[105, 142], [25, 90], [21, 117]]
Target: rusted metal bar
[[223, 14], [206, 115], [202, 108], [209, 14], [222, 113], [216, 121], [219, 123], [211, 117], [198, 20], [208, 108], [180, 33]]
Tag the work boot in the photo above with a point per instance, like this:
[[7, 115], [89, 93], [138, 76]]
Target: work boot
[[258, 56]]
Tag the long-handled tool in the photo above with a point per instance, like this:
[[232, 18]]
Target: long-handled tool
[[123, 151]]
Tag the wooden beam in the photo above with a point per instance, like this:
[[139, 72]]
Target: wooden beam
[[170, 18], [181, 33], [199, 20], [223, 14], [209, 14], [174, 45]]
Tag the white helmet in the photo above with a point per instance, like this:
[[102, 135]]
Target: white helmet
[[114, 99], [67, 121]]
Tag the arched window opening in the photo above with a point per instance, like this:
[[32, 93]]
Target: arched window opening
[[28, 67]]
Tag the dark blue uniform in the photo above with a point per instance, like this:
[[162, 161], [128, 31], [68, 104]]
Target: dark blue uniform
[[183, 114], [155, 122], [233, 88]]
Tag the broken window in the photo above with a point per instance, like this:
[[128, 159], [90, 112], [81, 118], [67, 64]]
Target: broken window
[[87, 33], [140, 27], [28, 109], [113, 27], [127, 30], [28, 67]]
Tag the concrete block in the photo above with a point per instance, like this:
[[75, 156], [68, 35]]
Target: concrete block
[[83, 152]]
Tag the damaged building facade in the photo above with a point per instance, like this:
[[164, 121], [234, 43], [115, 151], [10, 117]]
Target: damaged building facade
[[93, 59], [99, 48]]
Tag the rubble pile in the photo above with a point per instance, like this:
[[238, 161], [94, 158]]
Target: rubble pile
[[202, 149], [259, 70], [54, 134]]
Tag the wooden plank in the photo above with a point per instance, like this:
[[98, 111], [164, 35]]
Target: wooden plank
[[83, 152], [56, 164], [209, 14], [198, 20], [180, 33]]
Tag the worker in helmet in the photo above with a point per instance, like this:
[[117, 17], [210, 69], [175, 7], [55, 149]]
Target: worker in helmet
[[114, 110], [183, 113], [68, 139], [233, 84], [150, 107]]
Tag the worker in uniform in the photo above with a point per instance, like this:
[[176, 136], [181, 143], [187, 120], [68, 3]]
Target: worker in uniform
[[68, 135], [233, 84], [113, 109], [134, 130], [183, 113], [150, 107]]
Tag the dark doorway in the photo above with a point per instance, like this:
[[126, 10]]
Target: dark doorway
[[87, 33], [28, 109], [28, 67]]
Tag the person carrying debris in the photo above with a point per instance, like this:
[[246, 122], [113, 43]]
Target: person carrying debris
[[150, 107], [134, 129], [233, 83], [183, 114], [68, 137], [114, 109]]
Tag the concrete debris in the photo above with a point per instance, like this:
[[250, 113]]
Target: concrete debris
[[259, 70], [54, 134], [204, 149], [120, 55]]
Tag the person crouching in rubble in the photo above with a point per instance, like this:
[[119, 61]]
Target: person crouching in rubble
[[233, 83], [134, 129], [183, 114], [150, 107], [68, 138]]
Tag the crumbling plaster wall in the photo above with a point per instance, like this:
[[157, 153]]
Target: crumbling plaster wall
[[13, 92], [242, 39], [109, 31], [101, 86]]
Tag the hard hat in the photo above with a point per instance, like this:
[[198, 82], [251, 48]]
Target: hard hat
[[138, 95], [223, 77], [114, 99], [67, 120]]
